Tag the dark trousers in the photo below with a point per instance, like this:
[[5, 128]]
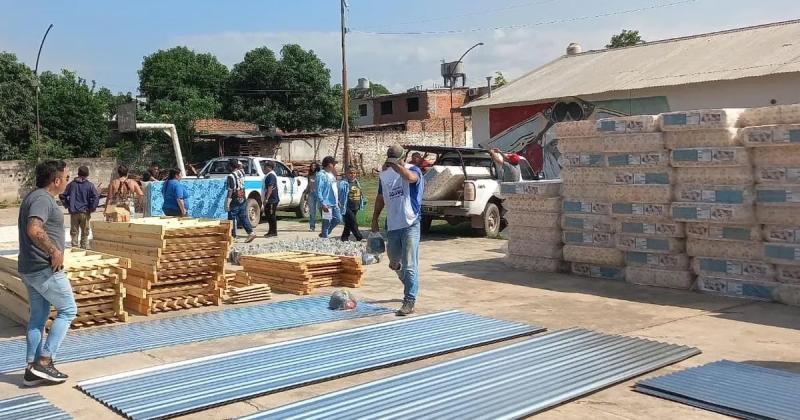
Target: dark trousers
[[172, 212], [272, 217], [351, 226]]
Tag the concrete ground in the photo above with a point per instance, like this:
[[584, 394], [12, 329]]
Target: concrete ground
[[468, 274]]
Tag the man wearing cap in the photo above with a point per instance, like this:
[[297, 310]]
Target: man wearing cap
[[506, 166], [327, 196], [400, 192]]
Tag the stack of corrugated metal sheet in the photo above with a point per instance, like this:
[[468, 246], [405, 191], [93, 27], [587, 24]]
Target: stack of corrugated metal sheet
[[30, 407], [534, 236]]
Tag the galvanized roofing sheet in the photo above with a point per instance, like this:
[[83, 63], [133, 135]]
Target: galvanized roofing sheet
[[178, 388], [509, 382], [735, 389], [138, 336], [734, 54], [30, 407]]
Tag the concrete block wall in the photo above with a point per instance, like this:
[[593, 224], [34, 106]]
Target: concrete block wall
[[15, 175]]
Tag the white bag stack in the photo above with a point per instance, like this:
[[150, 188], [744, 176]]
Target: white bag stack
[[534, 234]]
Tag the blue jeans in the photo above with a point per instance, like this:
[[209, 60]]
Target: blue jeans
[[238, 214], [47, 288], [402, 246], [313, 209], [329, 225]]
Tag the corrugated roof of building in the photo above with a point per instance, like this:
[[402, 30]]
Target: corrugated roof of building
[[733, 54]]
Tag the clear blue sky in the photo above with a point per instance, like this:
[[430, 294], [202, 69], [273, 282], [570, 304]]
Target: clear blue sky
[[105, 41]]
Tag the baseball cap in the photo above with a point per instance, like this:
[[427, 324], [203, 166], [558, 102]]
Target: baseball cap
[[329, 160], [513, 158], [394, 153]]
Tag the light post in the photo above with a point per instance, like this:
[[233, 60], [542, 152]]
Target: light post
[[36, 82], [452, 84]]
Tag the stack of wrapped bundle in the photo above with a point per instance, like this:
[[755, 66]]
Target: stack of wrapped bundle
[[534, 237], [589, 241]]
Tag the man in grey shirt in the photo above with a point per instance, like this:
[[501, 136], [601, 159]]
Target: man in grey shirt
[[41, 266]]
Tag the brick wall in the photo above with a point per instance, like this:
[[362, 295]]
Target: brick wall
[[14, 175], [433, 114]]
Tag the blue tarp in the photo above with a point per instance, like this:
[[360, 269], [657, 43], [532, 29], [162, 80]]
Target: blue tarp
[[206, 198]]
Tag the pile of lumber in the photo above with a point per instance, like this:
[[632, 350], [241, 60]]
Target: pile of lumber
[[302, 272], [175, 263], [244, 294], [97, 283]]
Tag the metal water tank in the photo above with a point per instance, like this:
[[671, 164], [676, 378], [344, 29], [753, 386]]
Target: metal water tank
[[574, 48], [363, 83]]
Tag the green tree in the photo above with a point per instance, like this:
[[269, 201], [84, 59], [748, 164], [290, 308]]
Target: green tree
[[17, 107], [379, 89], [112, 101], [626, 38], [254, 93], [499, 79]]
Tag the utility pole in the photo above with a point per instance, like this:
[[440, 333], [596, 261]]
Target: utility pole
[[452, 85], [345, 95], [36, 80]]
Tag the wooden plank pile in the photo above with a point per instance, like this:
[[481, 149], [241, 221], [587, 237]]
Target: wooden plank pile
[[239, 289], [301, 272], [97, 283], [175, 263]]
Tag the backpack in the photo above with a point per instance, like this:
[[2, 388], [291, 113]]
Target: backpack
[[237, 197]]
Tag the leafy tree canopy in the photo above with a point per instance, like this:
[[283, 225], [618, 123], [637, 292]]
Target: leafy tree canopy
[[17, 107], [626, 38]]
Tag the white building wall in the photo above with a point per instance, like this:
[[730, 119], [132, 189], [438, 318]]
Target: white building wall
[[363, 120]]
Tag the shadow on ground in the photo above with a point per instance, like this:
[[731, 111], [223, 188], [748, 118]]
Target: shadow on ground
[[495, 270]]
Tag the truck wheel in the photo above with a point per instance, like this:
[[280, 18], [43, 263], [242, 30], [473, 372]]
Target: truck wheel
[[303, 211], [491, 221], [253, 212], [425, 226]]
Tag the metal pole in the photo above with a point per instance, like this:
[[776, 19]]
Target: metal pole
[[36, 75], [345, 94], [452, 84]]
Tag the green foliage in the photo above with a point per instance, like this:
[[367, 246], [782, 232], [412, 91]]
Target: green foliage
[[379, 89], [626, 38], [111, 101], [17, 107], [499, 79]]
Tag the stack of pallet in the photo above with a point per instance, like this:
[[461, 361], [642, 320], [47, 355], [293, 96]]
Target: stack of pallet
[[589, 241], [302, 272], [534, 236], [96, 281], [239, 288], [175, 263]]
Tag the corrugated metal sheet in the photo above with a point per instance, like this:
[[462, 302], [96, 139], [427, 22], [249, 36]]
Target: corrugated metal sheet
[[30, 407], [193, 385], [138, 336], [735, 389], [735, 54], [506, 383]]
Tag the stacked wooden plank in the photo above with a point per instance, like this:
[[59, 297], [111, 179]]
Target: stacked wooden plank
[[175, 263], [245, 294], [302, 272], [97, 283]]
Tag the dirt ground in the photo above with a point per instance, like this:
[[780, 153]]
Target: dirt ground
[[468, 274]]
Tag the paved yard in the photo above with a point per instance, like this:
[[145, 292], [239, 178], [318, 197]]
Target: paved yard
[[468, 274]]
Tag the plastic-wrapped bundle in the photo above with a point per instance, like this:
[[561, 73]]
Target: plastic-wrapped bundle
[[785, 254], [584, 175], [584, 159], [784, 234], [653, 159], [726, 137], [654, 176], [572, 206], [640, 211], [789, 274], [738, 175], [550, 265], [539, 189], [639, 193], [742, 214], [532, 205], [588, 238], [589, 191], [711, 156], [771, 135], [593, 255], [580, 145], [537, 220], [778, 195], [777, 214], [660, 278], [598, 271], [745, 289], [666, 230], [655, 245], [702, 119], [778, 175], [575, 129], [540, 235], [777, 156], [443, 180], [720, 194], [588, 222], [674, 262], [633, 143], [533, 248], [776, 114], [632, 124], [736, 250], [720, 232], [737, 269]]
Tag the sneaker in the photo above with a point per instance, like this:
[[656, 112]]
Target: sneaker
[[270, 234], [30, 379], [311, 229], [250, 238], [406, 309], [48, 372]]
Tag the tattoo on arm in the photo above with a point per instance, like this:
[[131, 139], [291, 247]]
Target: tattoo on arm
[[39, 236]]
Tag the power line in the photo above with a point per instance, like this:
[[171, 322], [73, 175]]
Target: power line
[[528, 25]]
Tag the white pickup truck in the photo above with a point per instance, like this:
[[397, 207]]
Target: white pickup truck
[[291, 186], [477, 199]]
